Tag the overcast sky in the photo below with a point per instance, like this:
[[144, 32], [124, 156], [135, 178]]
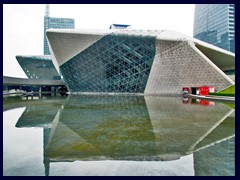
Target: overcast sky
[[23, 24]]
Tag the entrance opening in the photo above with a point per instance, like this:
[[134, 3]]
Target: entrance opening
[[194, 90]]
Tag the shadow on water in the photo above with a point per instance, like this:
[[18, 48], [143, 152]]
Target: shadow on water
[[134, 128]]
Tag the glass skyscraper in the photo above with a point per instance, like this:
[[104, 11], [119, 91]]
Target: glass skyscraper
[[215, 24], [55, 23]]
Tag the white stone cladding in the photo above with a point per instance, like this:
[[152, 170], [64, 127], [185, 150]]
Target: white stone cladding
[[64, 46], [180, 61], [177, 65]]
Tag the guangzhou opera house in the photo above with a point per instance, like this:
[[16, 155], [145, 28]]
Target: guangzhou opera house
[[137, 61], [38, 67]]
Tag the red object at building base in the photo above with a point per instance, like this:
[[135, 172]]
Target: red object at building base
[[204, 90], [185, 90]]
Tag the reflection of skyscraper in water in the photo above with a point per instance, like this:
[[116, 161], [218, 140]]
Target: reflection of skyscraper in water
[[46, 162], [55, 23], [136, 128], [37, 114]]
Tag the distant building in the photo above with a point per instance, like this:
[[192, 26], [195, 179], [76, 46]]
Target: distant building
[[38, 67], [55, 23], [120, 26], [215, 24]]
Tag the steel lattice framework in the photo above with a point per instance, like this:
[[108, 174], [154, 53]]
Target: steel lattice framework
[[115, 63]]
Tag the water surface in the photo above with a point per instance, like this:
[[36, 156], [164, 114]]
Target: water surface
[[117, 135]]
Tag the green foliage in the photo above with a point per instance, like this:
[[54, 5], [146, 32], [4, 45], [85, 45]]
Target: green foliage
[[230, 90], [227, 92], [223, 94]]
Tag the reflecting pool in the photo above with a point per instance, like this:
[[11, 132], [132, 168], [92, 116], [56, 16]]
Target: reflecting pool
[[90, 135]]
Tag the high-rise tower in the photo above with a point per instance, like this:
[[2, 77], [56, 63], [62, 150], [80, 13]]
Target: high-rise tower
[[55, 23], [215, 24], [47, 11]]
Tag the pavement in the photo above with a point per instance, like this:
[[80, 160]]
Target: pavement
[[211, 97]]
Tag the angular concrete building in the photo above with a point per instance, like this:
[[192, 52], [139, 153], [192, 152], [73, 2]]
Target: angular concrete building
[[137, 61], [38, 67]]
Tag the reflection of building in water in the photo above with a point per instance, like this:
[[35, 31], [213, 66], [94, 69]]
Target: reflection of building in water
[[223, 131], [46, 162], [36, 114], [178, 127], [103, 127], [217, 160], [220, 158], [136, 128], [203, 102], [34, 103]]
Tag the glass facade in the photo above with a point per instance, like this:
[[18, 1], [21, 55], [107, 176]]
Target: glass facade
[[115, 63], [38, 67], [215, 24]]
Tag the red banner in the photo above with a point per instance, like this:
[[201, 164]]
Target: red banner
[[204, 90]]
